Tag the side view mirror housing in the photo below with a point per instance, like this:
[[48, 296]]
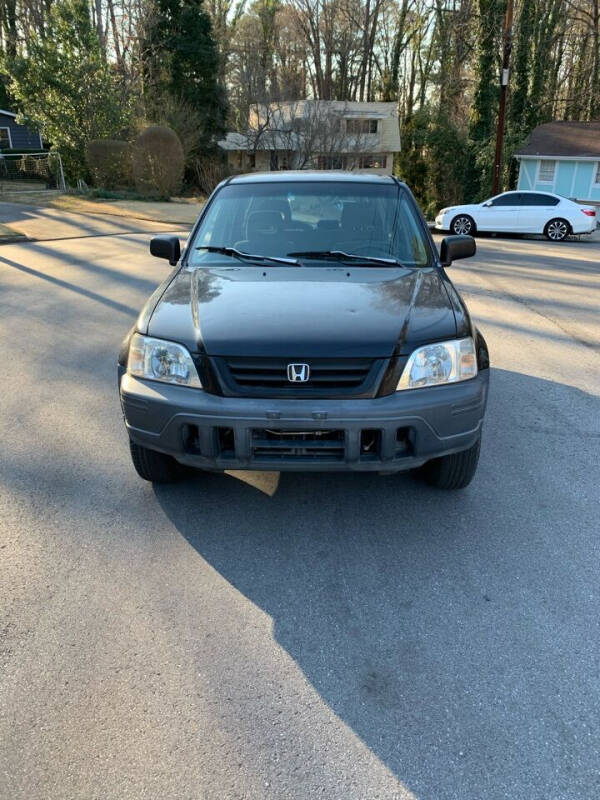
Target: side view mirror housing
[[166, 247], [487, 204], [455, 247]]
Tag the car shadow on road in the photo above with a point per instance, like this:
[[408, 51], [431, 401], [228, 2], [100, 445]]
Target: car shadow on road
[[439, 626]]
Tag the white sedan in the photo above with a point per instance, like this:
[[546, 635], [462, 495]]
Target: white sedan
[[520, 212]]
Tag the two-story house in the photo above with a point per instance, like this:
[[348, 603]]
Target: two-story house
[[316, 134]]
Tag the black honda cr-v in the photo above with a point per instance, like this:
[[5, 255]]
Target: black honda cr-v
[[309, 324]]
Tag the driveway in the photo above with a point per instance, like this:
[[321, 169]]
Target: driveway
[[352, 636]]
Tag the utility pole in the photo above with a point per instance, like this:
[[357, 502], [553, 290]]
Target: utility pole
[[507, 39]]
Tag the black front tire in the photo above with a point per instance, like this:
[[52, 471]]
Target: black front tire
[[153, 466], [455, 471], [463, 225]]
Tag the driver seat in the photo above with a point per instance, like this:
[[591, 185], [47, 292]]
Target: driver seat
[[264, 234]]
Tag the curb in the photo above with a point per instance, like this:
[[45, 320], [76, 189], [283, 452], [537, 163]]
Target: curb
[[14, 238]]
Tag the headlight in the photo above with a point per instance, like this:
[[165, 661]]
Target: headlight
[[444, 362], [158, 360]]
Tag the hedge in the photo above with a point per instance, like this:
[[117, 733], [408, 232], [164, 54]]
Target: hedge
[[158, 161], [109, 162]]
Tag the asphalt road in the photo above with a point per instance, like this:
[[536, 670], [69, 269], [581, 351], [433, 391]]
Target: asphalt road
[[353, 636]]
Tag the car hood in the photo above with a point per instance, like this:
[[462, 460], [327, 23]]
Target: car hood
[[307, 311]]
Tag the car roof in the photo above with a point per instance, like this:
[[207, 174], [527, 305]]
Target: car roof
[[531, 191], [311, 176]]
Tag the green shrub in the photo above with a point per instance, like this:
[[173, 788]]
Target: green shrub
[[158, 161], [109, 162]]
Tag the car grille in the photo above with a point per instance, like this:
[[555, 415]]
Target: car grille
[[301, 445], [269, 376]]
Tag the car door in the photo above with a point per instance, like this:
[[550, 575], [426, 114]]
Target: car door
[[499, 213], [537, 209]]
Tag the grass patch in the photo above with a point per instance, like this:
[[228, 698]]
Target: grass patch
[[124, 194], [179, 210]]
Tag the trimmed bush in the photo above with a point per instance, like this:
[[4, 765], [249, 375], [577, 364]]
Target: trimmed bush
[[109, 162], [158, 161]]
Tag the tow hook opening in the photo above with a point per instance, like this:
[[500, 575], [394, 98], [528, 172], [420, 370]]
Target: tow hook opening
[[405, 441], [226, 441], [370, 443]]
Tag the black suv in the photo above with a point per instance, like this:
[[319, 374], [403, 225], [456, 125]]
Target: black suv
[[308, 325]]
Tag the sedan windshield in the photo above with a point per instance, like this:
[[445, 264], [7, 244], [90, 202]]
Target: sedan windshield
[[317, 218]]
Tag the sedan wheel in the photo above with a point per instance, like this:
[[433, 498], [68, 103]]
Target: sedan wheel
[[462, 226], [557, 230]]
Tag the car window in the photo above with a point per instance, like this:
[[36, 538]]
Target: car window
[[532, 199], [511, 199], [275, 219]]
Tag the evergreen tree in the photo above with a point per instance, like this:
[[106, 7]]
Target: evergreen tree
[[547, 22], [516, 129], [411, 163], [478, 178], [6, 99], [182, 62], [64, 87], [446, 156]]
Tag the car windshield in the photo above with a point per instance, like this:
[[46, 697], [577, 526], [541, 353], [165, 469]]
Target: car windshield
[[374, 220]]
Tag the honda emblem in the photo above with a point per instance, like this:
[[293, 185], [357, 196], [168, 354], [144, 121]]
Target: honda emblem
[[298, 373]]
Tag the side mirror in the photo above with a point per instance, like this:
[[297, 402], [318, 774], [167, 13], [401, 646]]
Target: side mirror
[[455, 247], [166, 247], [487, 204]]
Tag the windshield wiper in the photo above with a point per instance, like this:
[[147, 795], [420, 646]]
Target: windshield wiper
[[340, 255], [241, 256]]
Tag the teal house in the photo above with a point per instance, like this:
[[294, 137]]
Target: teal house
[[564, 158]]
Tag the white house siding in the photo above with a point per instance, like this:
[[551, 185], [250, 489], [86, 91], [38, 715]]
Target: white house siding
[[390, 135]]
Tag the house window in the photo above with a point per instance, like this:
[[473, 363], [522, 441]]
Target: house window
[[252, 160], [331, 162], [5, 141], [546, 173], [372, 162], [361, 126]]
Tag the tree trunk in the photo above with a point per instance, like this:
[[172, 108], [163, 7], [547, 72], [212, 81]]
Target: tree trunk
[[397, 49], [594, 104]]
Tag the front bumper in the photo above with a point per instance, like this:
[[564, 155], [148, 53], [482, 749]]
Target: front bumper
[[441, 222], [397, 432]]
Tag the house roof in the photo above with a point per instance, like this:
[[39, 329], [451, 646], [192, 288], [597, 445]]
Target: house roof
[[568, 139], [7, 113], [347, 108], [234, 141], [268, 140]]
